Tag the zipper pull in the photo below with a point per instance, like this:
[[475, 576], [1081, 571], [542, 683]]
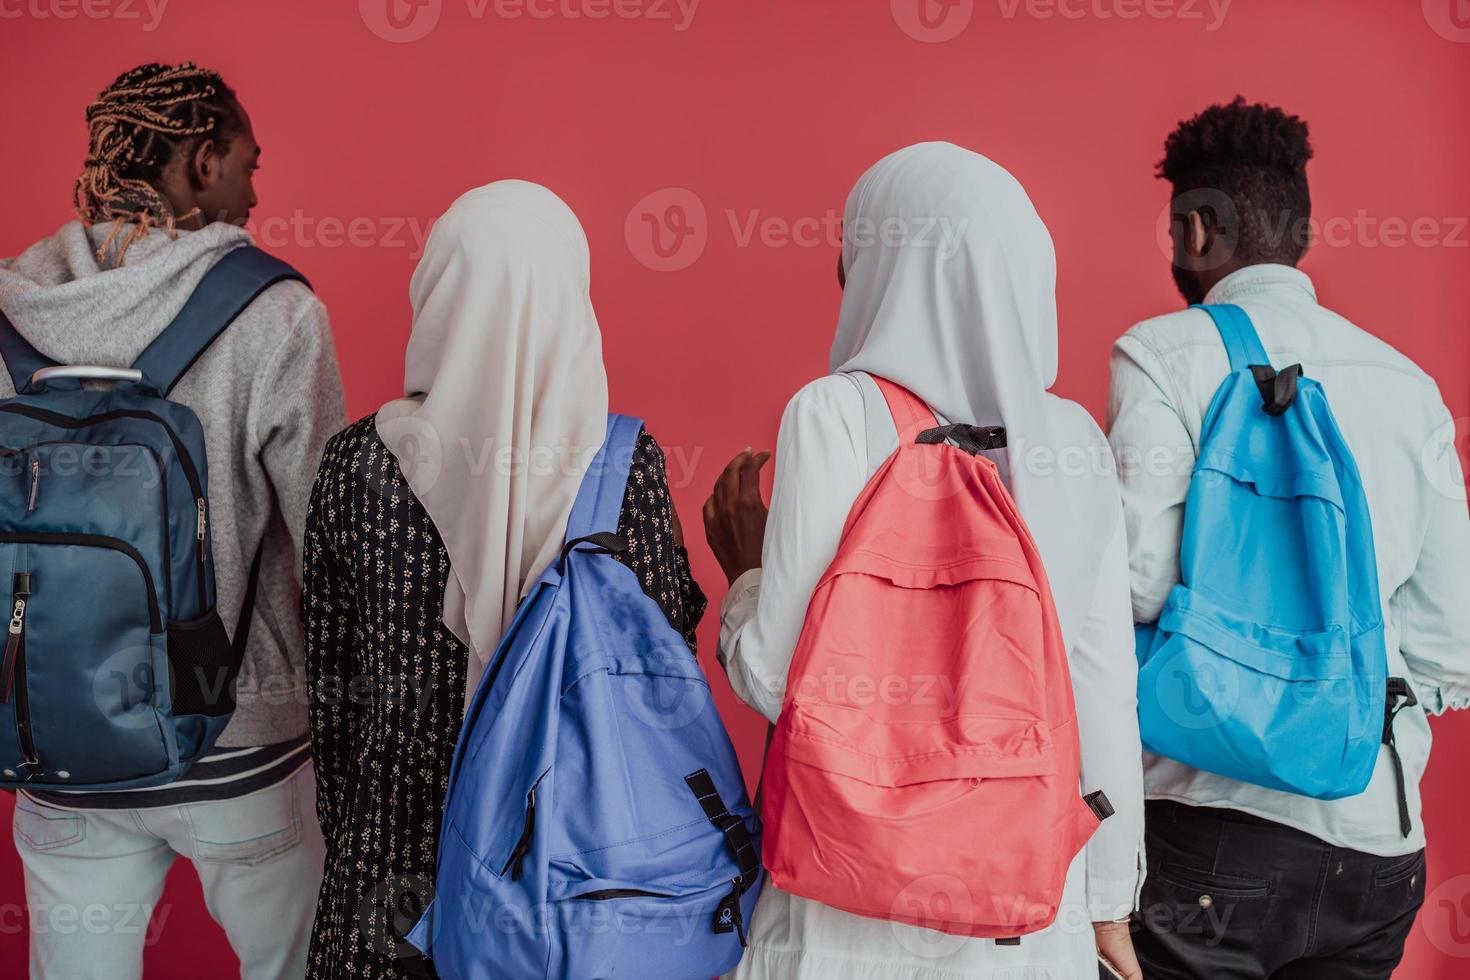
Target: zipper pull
[[203, 523], [35, 484], [14, 637], [728, 917], [515, 867]]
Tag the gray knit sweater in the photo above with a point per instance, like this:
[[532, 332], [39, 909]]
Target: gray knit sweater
[[267, 392]]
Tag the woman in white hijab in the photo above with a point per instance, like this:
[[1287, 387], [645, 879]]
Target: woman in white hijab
[[429, 521], [949, 290]]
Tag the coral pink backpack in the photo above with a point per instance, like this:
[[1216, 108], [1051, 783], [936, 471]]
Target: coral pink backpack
[[925, 768]]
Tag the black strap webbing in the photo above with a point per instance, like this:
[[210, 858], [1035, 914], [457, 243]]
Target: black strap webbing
[[973, 439], [603, 542], [1400, 696], [737, 835], [247, 609], [1278, 388]]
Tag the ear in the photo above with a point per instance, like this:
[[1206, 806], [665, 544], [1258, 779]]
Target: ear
[[1309, 240], [1196, 234], [204, 165]]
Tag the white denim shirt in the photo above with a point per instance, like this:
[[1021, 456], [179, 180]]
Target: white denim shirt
[[834, 434], [1164, 373]]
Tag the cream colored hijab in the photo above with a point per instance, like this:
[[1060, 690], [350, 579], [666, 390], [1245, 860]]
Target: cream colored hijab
[[951, 292], [505, 398]]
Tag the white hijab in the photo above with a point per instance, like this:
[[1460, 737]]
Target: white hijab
[[505, 398], [951, 292]]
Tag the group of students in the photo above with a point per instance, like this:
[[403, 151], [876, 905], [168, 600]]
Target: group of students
[[392, 559]]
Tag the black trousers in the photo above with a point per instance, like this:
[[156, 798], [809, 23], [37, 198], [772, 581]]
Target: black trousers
[[1230, 896]]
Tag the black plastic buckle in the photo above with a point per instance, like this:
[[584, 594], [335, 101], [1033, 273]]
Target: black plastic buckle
[[1101, 806]]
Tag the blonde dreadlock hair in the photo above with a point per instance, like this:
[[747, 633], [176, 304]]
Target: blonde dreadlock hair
[[138, 124]]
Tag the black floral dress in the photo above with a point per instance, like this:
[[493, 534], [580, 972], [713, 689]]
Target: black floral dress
[[387, 685]]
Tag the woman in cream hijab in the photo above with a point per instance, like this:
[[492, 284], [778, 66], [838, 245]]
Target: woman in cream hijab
[[428, 523], [949, 290]]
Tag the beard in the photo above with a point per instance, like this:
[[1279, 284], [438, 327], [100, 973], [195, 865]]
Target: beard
[[1188, 284]]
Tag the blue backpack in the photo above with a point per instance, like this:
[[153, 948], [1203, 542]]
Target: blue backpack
[[117, 671], [1268, 663], [596, 823]]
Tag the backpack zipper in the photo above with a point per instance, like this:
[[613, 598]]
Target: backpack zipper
[[728, 916], [15, 636], [607, 894], [71, 422], [155, 617], [199, 549], [15, 674], [517, 861], [35, 484]]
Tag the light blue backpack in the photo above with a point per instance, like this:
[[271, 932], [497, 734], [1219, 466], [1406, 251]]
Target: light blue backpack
[[597, 823], [1268, 663]]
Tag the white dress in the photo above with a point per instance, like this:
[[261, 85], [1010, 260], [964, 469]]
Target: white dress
[[832, 439]]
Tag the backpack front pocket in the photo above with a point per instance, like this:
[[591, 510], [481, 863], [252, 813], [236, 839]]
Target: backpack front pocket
[[83, 693], [928, 846]]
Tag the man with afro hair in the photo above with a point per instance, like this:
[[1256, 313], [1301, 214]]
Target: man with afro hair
[[1245, 881]]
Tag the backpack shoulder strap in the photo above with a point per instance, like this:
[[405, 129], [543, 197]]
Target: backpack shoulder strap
[[910, 414], [21, 359], [600, 499], [1239, 334], [230, 286]]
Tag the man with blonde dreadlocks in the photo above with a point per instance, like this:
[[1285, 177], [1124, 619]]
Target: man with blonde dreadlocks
[[166, 185]]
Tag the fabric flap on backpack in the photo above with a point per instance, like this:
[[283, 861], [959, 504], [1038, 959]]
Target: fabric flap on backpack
[[969, 747], [922, 575], [1285, 484], [1318, 655]]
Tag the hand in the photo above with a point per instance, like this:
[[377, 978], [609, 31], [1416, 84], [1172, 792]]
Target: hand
[[735, 515], [1115, 943]]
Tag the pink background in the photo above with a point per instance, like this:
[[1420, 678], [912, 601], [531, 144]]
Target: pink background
[[766, 112]]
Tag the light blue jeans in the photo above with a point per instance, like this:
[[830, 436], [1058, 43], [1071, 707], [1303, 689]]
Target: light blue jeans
[[94, 878]]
